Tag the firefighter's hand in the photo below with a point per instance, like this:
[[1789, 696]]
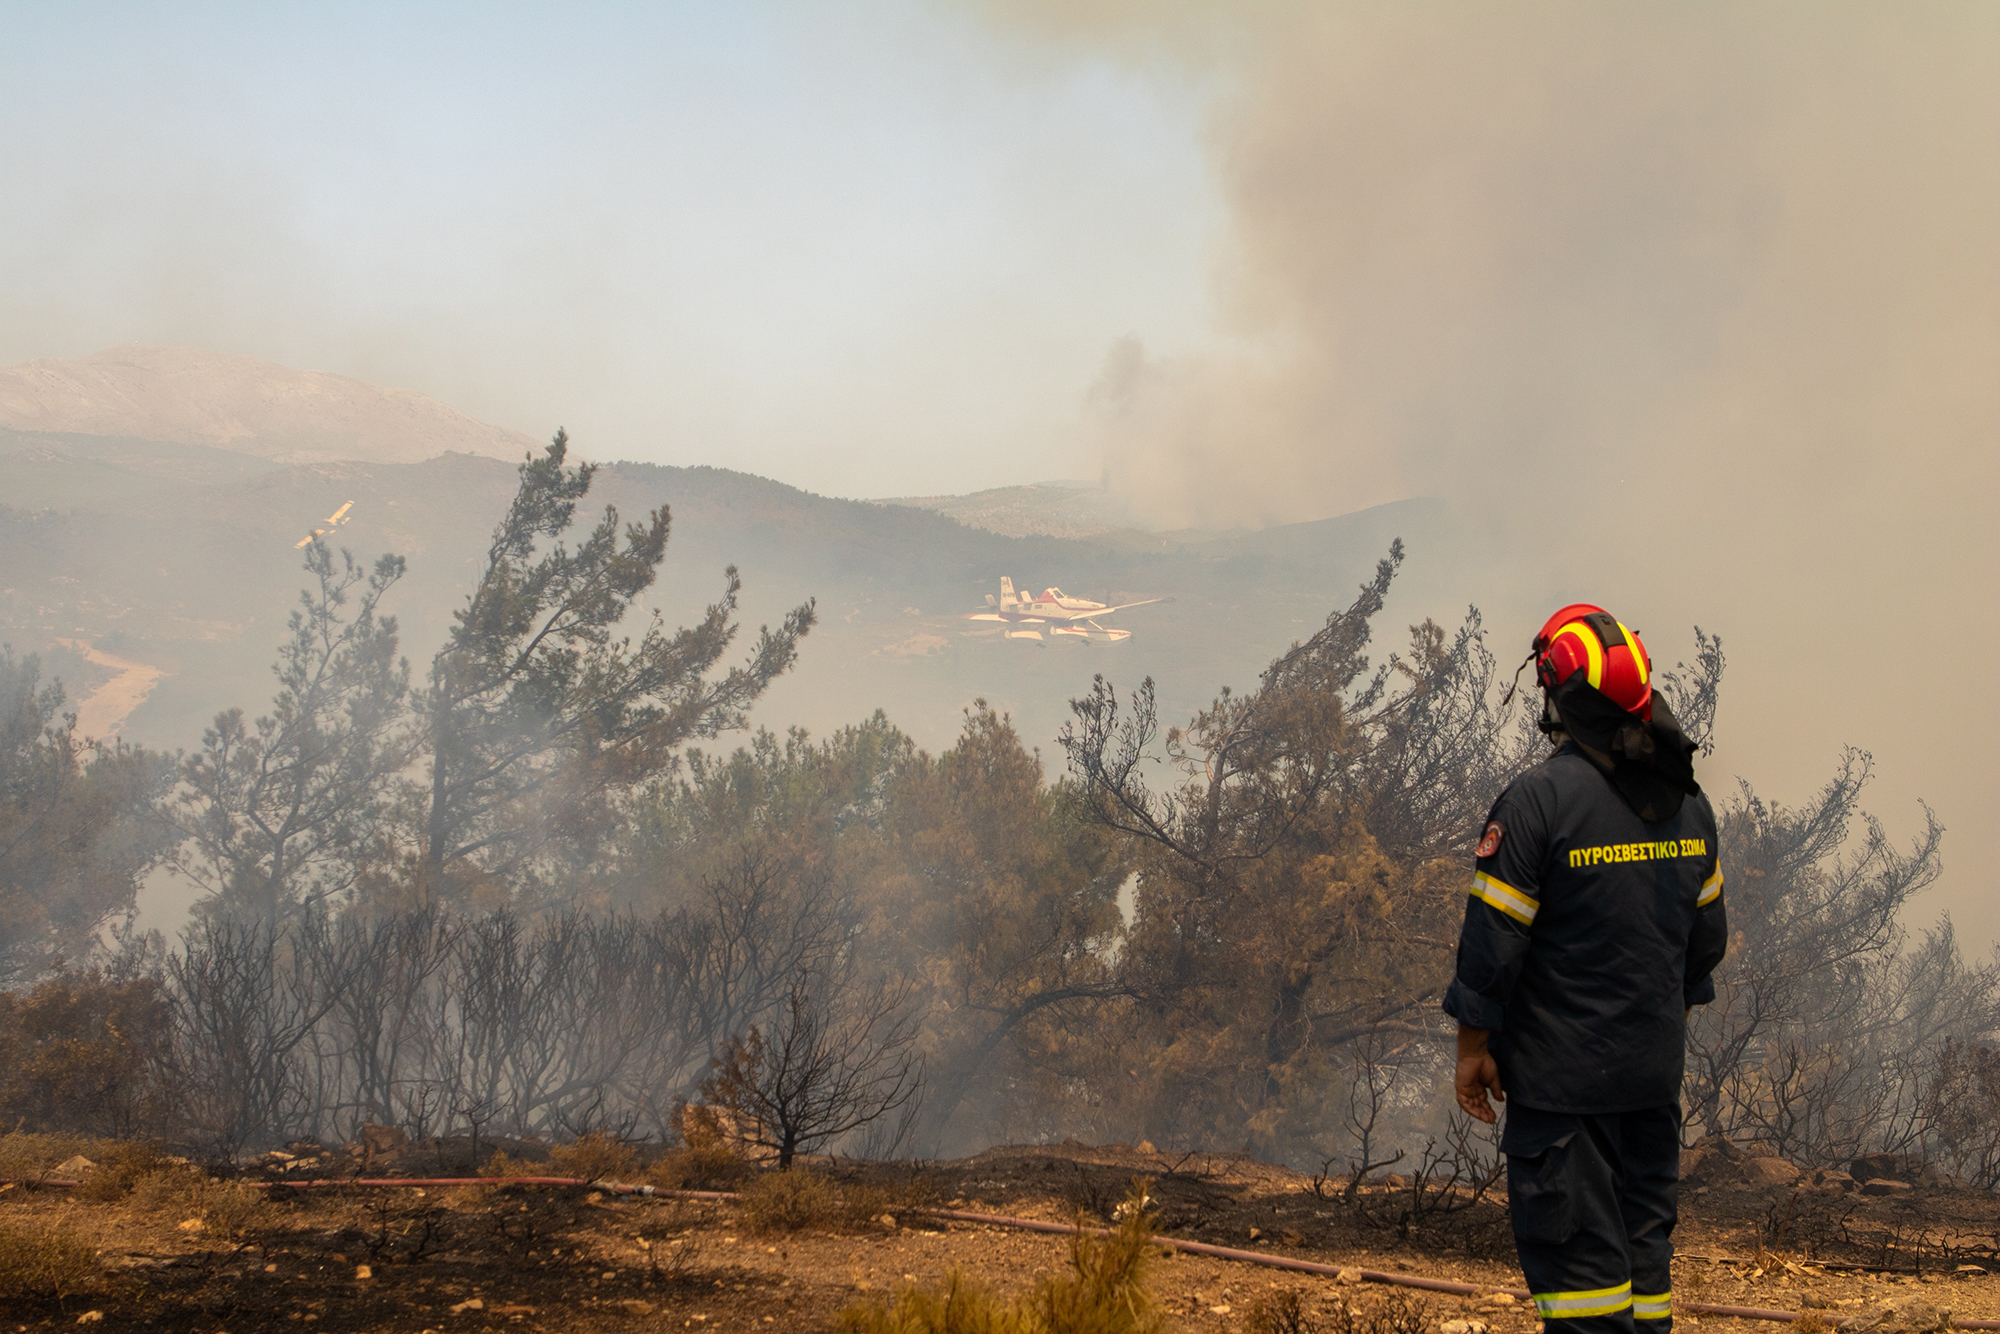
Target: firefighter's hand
[[1477, 1074]]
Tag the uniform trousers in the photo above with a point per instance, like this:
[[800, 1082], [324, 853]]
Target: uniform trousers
[[1593, 1200]]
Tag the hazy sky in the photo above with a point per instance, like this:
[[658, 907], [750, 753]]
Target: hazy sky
[[865, 247], [1693, 308]]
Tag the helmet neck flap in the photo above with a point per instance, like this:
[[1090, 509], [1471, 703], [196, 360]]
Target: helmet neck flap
[[1649, 761]]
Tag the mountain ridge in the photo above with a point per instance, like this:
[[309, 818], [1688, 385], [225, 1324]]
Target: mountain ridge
[[191, 396], [120, 543], [107, 546]]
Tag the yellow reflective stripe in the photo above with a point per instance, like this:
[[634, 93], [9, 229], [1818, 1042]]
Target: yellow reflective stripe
[[1601, 1301], [1505, 897], [1592, 650], [1711, 889], [1652, 1305], [1638, 657]]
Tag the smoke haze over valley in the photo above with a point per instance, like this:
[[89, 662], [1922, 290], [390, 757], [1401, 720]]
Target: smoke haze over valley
[[1689, 311]]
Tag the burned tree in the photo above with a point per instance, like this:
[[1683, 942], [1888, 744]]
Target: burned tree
[[1833, 1034], [832, 1061]]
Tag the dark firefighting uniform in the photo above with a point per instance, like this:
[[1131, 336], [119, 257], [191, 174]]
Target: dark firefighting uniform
[[1589, 934]]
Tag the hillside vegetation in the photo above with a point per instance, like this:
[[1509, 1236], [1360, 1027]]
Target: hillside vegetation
[[181, 556]]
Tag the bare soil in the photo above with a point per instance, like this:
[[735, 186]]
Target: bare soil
[[511, 1256]]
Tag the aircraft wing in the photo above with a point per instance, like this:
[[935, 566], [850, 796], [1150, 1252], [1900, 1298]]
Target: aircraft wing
[[1106, 611], [1011, 620]]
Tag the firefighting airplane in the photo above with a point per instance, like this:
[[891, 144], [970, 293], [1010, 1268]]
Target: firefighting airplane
[[1077, 615], [333, 521]]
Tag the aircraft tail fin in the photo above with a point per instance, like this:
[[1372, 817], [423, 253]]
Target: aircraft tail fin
[[1007, 597]]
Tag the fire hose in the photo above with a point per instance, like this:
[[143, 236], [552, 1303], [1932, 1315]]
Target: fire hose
[[1283, 1262]]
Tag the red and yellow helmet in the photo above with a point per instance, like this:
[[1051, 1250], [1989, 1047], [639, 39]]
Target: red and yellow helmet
[[1612, 658]]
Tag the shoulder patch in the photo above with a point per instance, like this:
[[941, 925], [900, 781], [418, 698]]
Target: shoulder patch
[[1489, 842]]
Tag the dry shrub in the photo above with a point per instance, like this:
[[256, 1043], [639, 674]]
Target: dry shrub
[[82, 1051], [175, 1186], [1284, 1312], [672, 1261], [1105, 1292], [30, 1157], [595, 1157], [230, 1210], [705, 1160], [786, 1201], [789, 1201], [121, 1168], [504, 1164], [692, 1167], [225, 1208], [45, 1262], [863, 1203]]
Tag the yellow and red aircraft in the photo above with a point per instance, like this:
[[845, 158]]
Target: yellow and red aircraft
[[1068, 618]]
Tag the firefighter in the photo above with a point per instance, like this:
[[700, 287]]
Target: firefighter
[[1594, 924]]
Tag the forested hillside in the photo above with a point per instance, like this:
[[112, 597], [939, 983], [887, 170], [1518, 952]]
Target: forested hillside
[[535, 870], [182, 557]]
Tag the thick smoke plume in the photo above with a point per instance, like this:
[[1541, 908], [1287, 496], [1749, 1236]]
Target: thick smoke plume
[[1477, 246], [1689, 308]]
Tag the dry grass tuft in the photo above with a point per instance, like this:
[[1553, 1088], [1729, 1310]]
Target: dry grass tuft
[[45, 1262], [960, 1307], [1105, 1292], [798, 1199]]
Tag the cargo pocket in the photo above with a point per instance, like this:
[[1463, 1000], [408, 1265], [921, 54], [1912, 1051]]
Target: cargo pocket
[[1541, 1189]]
